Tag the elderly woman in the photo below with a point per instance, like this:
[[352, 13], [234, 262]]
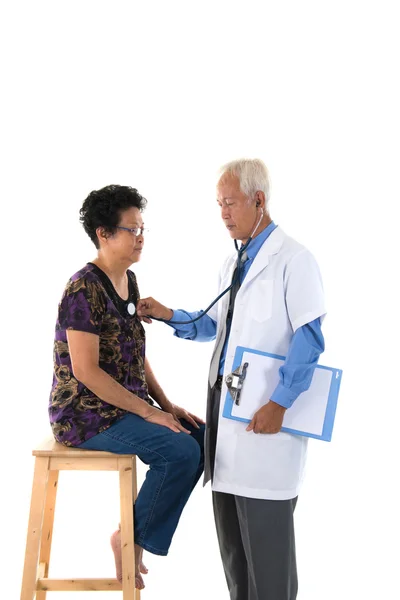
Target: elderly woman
[[103, 386]]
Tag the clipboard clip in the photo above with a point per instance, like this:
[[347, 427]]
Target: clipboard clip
[[234, 382]]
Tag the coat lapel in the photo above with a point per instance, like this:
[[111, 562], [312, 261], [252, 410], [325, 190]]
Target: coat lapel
[[271, 246]]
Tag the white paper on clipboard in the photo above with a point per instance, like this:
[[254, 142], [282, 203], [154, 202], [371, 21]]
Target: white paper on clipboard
[[307, 412]]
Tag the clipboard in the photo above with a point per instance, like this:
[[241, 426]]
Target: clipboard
[[254, 377]]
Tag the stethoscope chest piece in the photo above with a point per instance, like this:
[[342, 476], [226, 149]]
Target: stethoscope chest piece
[[131, 308]]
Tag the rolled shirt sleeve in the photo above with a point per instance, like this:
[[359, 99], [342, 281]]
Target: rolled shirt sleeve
[[295, 375]]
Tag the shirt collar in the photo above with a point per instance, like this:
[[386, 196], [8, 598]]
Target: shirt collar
[[258, 241]]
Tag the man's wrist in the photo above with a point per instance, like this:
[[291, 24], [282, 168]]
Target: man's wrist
[[283, 396], [169, 313], [278, 407]]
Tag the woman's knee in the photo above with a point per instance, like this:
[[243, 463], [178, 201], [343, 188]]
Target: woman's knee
[[189, 452]]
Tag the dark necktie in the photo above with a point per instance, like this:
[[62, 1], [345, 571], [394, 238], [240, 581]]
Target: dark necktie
[[235, 287], [225, 329], [232, 297]]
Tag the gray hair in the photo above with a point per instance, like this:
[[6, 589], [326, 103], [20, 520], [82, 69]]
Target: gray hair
[[252, 173]]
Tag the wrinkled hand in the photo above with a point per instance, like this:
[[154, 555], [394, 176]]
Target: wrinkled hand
[[181, 413], [166, 419], [148, 307], [267, 419]]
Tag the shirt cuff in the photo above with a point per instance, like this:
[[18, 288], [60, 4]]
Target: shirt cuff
[[284, 396], [184, 330], [177, 315]]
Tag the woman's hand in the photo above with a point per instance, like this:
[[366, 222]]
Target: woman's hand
[[165, 419], [148, 307], [181, 413]]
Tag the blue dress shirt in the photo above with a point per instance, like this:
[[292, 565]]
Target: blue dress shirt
[[307, 343]]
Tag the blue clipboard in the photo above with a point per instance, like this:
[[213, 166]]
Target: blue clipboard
[[331, 404]]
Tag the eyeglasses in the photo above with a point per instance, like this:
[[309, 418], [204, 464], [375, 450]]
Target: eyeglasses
[[135, 230]]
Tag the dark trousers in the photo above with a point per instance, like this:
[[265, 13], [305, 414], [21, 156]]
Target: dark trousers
[[256, 537]]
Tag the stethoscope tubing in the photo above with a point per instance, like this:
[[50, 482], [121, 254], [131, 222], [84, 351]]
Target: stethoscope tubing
[[240, 252]]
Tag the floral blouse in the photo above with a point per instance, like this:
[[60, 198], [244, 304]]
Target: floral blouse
[[76, 413]]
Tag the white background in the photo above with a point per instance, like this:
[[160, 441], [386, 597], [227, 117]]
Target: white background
[[157, 95]]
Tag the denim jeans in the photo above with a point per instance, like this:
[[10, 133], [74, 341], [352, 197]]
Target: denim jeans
[[176, 463]]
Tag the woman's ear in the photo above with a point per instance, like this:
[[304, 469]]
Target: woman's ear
[[101, 234]]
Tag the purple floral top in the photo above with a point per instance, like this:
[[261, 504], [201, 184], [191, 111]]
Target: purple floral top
[[76, 413]]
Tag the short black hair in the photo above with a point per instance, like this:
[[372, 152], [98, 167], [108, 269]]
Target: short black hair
[[103, 208]]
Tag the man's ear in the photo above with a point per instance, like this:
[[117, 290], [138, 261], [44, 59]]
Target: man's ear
[[260, 200]]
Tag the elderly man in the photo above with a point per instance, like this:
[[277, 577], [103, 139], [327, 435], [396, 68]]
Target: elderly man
[[276, 307]]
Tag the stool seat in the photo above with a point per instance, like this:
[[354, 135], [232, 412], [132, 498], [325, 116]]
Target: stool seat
[[50, 458], [49, 447]]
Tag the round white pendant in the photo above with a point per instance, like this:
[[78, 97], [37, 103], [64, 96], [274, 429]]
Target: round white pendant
[[131, 308]]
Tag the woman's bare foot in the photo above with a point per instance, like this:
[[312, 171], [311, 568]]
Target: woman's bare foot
[[139, 568], [139, 565], [115, 541], [142, 567]]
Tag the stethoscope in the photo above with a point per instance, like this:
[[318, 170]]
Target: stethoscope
[[240, 252], [131, 308]]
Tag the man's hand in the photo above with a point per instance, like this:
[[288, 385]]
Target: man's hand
[[181, 413], [148, 307], [267, 419]]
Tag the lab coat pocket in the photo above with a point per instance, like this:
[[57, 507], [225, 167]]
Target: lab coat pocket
[[272, 462], [261, 300]]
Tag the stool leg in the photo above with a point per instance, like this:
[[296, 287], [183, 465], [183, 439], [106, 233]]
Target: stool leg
[[34, 534], [134, 489], [47, 529], [127, 474]]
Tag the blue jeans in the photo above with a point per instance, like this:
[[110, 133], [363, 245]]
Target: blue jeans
[[176, 463]]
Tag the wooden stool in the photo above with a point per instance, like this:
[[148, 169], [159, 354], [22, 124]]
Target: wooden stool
[[52, 457]]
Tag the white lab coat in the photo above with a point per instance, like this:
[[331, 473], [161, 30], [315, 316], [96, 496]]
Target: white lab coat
[[281, 292]]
